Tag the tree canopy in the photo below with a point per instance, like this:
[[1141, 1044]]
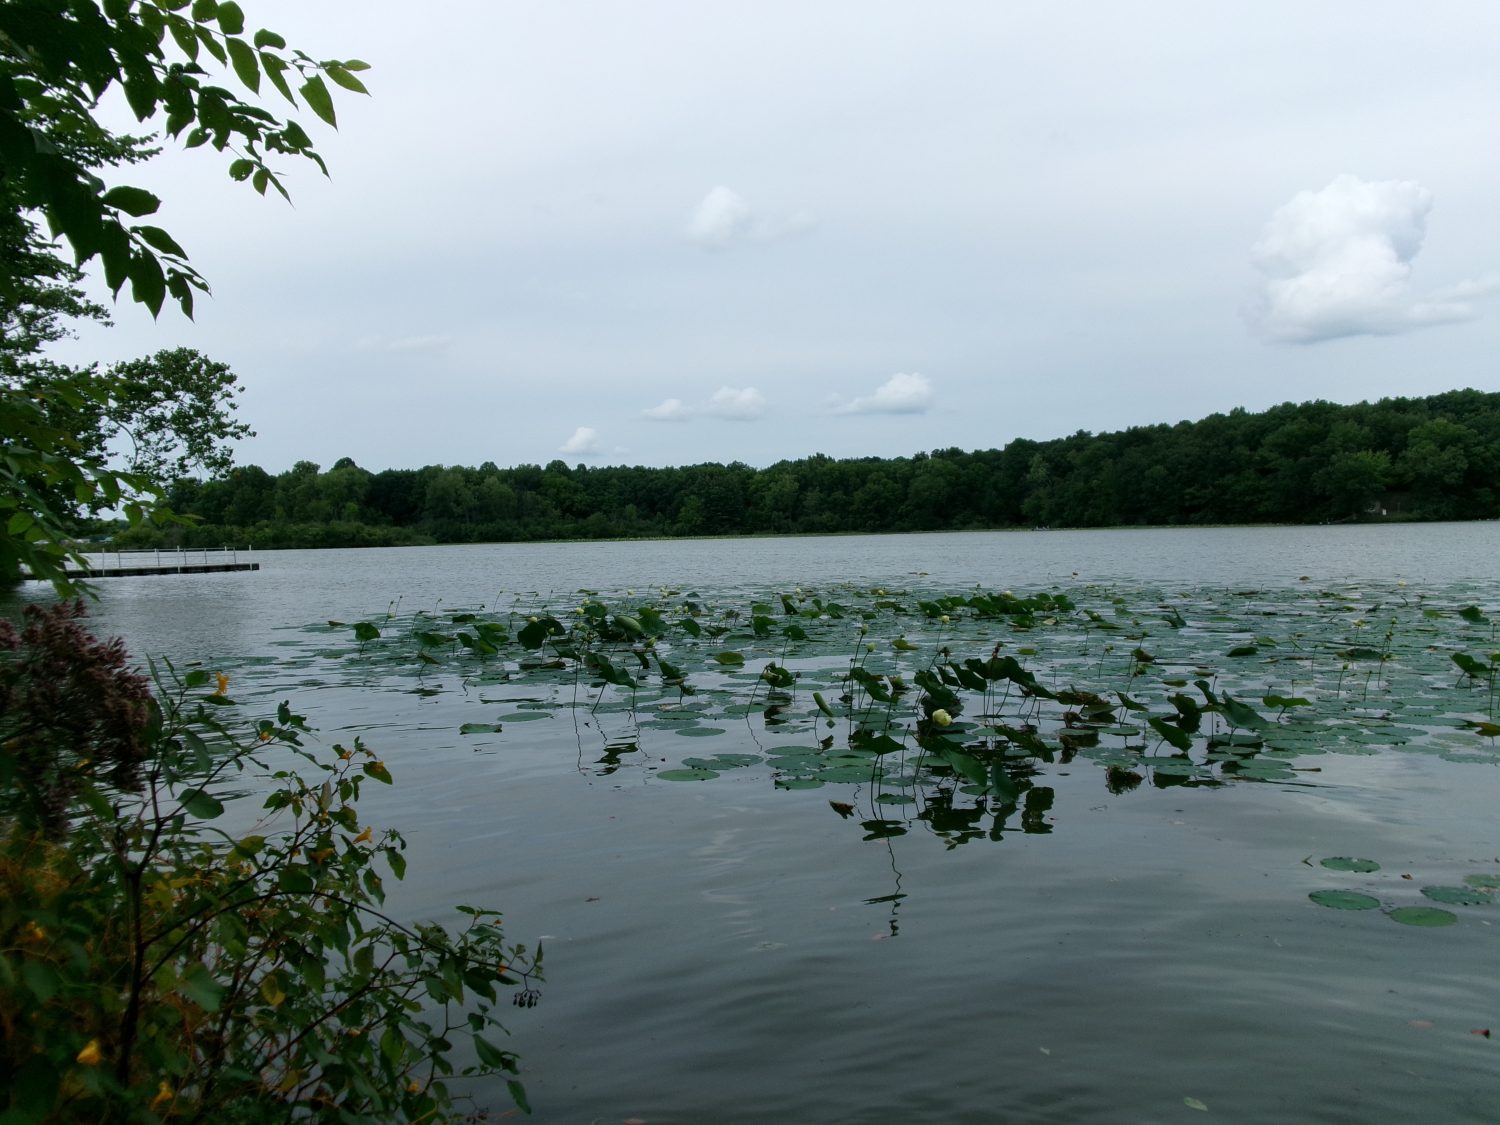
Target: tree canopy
[[190, 72]]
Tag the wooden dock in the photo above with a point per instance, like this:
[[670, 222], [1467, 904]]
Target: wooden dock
[[165, 568], [148, 564]]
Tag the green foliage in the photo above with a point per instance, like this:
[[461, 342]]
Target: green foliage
[[1292, 464], [156, 965], [59, 58]]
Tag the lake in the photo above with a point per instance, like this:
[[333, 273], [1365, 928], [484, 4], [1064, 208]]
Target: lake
[[1100, 930]]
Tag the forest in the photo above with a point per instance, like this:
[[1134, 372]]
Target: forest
[[1431, 458]]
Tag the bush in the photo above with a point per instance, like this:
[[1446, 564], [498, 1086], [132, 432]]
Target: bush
[[156, 967]]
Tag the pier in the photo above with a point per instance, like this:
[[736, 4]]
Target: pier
[[143, 564]]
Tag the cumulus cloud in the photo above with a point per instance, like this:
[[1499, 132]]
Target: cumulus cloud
[[1338, 262], [724, 219], [900, 394], [734, 404], [583, 443], [668, 410]]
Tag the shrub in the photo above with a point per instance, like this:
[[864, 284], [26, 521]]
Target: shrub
[[154, 966]]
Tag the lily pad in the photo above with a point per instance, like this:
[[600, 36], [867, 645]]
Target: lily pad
[[688, 775], [799, 783], [525, 716], [1459, 896], [1492, 881], [1423, 916], [479, 728], [1346, 863], [1344, 900], [697, 732]]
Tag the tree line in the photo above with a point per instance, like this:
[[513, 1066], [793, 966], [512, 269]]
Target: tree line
[[1428, 458]]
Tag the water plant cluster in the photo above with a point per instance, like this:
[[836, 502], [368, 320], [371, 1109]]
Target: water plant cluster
[[949, 710]]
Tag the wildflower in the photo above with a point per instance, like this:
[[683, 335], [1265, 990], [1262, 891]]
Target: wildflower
[[414, 1087], [363, 837], [91, 1055], [945, 619], [264, 736], [941, 717], [34, 932], [164, 1094], [223, 688]]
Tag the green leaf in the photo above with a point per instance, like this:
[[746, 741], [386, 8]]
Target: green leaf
[[231, 18], [264, 38], [1459, 896], [1422, 916], [342, 77], [159, 239], [729, 659], [364, 631], [397, 862], [200, 804], [243, 59], [518, 1095], [318, 99], [199, 986], [378, 771], [133, 201], [1348, 863], [1175, 736]]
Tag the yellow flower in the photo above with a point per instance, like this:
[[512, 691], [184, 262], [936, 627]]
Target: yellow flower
[[164, 1094], [941, 717], [945, 619], [223, 688], [414, 1087], [34, 932], [91, 1055], [363, 837]]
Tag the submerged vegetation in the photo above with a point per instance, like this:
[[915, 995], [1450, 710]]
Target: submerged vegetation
[[1420, 458]]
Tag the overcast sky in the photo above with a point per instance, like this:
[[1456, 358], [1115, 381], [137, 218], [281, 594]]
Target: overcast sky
[[671, 232]]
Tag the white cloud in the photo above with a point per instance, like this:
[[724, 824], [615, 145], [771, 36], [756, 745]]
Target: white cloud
[[668, 410], [583, 443], [724, 219], [900, 394], [1338, 263], [733, 404]]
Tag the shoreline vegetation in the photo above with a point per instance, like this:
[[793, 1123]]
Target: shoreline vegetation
[[1398, 459]]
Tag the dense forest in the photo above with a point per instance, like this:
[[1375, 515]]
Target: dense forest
[[1399, 458]]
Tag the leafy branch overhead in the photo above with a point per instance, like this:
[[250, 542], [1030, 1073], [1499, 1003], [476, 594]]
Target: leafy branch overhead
[[60, 59]]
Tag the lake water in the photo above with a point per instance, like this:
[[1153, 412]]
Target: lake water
[[731, 951]]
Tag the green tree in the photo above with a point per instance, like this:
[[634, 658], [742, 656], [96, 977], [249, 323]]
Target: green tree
[[59, 59]]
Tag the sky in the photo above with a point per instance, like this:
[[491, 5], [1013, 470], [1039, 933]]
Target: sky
[[666, 232]]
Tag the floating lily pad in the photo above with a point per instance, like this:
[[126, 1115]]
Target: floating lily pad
[[1422, 916], [1458, 896], [1345, 863], [799, 783], [525, 716], [1492, 881], [697, 732], [688, 775], [479, 728], [1344, 900]]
